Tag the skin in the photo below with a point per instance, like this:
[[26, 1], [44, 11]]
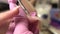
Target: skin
[[8, 14]]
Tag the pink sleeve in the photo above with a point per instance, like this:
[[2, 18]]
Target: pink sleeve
[[21, 27]]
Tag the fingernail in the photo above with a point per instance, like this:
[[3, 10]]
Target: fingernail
[[17, 7]]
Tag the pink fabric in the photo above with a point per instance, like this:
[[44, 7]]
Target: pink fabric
[[20, 23]]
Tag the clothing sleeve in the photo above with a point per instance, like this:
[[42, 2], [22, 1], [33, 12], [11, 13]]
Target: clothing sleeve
[[21, 28], [20, 25]]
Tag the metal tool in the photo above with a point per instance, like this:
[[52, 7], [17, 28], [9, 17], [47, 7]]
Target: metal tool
[[20, 3]]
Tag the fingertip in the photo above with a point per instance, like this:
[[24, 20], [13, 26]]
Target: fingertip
[[15, 10]]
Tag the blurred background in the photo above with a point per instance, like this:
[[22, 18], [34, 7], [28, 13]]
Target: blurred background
[[48, 12]]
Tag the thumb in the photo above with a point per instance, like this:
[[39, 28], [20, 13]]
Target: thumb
[[33, 19], [9, 14]]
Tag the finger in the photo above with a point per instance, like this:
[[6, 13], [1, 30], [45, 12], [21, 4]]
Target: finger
[[33, 19], [9, 14]]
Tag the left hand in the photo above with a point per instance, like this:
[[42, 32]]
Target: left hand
[[8, 14]]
